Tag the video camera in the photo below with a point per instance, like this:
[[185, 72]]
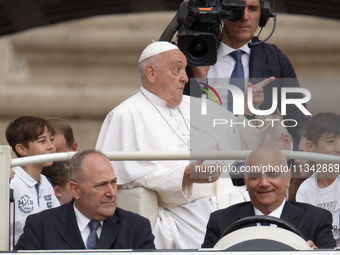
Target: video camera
[[200, 28]]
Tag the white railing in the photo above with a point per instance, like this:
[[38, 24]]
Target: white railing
[[171, 155], [6, 162]]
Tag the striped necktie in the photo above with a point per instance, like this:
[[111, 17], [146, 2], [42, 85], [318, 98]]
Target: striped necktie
[[237, 76], [93, 238]]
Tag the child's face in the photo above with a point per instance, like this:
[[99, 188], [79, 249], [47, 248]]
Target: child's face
[[43, 145], [60, 143], [65, 194], [328, 144]]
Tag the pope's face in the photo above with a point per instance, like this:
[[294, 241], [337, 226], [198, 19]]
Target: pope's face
[[171, 77]]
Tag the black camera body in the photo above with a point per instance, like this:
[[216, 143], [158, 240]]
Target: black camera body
[[200, 28]]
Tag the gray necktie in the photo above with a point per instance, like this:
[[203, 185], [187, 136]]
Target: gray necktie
[[237, 76], [93, 238]]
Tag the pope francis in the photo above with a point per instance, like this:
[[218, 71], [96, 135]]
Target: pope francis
[[160, 118]]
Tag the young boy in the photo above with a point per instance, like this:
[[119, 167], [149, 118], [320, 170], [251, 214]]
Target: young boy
[[322, 189], [59, 176], [33, 193], [303, 170], [63, 137]]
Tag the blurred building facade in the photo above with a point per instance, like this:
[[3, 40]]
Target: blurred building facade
[[80, 70]]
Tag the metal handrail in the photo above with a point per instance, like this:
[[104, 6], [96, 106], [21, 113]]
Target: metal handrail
[[174, 155]]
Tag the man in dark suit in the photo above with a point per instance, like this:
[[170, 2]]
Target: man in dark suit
[[259, 62], [267, 191], [94, 188]]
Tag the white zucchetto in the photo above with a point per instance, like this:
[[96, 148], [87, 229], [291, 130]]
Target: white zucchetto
[[156, 48]]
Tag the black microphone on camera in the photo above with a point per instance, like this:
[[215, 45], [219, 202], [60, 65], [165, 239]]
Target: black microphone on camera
[[257, 42]]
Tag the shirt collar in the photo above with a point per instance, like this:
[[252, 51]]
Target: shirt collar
[[25, 177], [224, 50], [276, 213], [152, 97], [82, 220]]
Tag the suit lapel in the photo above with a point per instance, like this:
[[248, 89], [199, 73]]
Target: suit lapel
[[247, 211], [68, 228], [109, 233], [290, 214], [257, 62]]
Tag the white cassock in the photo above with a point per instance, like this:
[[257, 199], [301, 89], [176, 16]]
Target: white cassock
[[144, 122]]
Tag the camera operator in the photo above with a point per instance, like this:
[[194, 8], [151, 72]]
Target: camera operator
[[259, 61]]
